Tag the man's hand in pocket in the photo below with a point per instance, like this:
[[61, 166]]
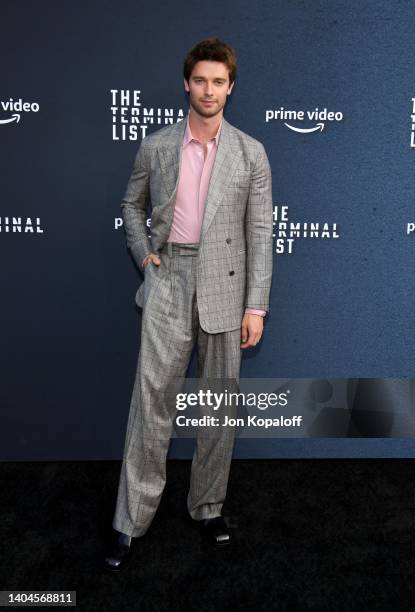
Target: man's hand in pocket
[[151, 257]]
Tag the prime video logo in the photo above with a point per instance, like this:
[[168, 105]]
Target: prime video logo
[[17, 107], [320, 115]]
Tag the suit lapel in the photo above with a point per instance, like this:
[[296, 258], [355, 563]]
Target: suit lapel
[[170, 154], [227, 158]]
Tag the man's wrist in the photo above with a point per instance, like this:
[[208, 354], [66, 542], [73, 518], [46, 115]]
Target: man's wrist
[[256, 311], [144, 260]]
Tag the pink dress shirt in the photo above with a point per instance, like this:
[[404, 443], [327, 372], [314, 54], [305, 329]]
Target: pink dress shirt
[[195, 171]]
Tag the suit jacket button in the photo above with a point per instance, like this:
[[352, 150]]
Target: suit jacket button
[[231, 273], [228, 240]]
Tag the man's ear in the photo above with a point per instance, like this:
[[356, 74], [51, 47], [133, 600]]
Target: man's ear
[[230, 88], [186, 85]]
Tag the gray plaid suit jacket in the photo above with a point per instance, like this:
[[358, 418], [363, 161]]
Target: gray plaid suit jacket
[[235, 246]]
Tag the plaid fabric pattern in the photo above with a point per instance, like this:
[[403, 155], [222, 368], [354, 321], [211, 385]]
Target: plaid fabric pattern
[[234, 268]]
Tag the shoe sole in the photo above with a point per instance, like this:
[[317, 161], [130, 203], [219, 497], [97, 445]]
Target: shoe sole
[[215, 544]]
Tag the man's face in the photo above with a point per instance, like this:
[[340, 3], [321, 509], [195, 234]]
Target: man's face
[[208, 87]]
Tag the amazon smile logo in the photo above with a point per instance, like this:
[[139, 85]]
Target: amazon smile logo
[[318, 118], [14, 109]]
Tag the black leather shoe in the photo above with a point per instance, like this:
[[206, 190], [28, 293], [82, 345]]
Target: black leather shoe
[[216, 531], [118, 553]]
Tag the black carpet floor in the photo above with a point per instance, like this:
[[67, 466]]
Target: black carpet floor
[[311, 535]]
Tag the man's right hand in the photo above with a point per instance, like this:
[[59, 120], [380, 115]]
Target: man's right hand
[[151, 257]]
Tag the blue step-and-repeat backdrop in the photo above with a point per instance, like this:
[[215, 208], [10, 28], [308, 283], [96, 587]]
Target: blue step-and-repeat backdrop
[[328, 88]]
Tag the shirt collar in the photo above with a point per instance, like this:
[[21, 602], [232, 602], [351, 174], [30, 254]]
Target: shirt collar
[[188, 136]]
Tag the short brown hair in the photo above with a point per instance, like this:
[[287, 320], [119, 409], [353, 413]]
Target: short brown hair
[[214, 50]]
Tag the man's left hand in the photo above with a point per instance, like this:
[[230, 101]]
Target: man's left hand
[[251, 330]]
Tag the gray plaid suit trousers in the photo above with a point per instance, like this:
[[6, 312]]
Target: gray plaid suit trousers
[[170, 331]]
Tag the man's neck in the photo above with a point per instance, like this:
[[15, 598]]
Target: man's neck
[[204, 128]]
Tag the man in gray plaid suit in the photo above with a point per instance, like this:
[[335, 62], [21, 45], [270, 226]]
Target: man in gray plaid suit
[[207, 278]]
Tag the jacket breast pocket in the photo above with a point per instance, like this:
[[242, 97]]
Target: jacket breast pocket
[[240, 181]]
